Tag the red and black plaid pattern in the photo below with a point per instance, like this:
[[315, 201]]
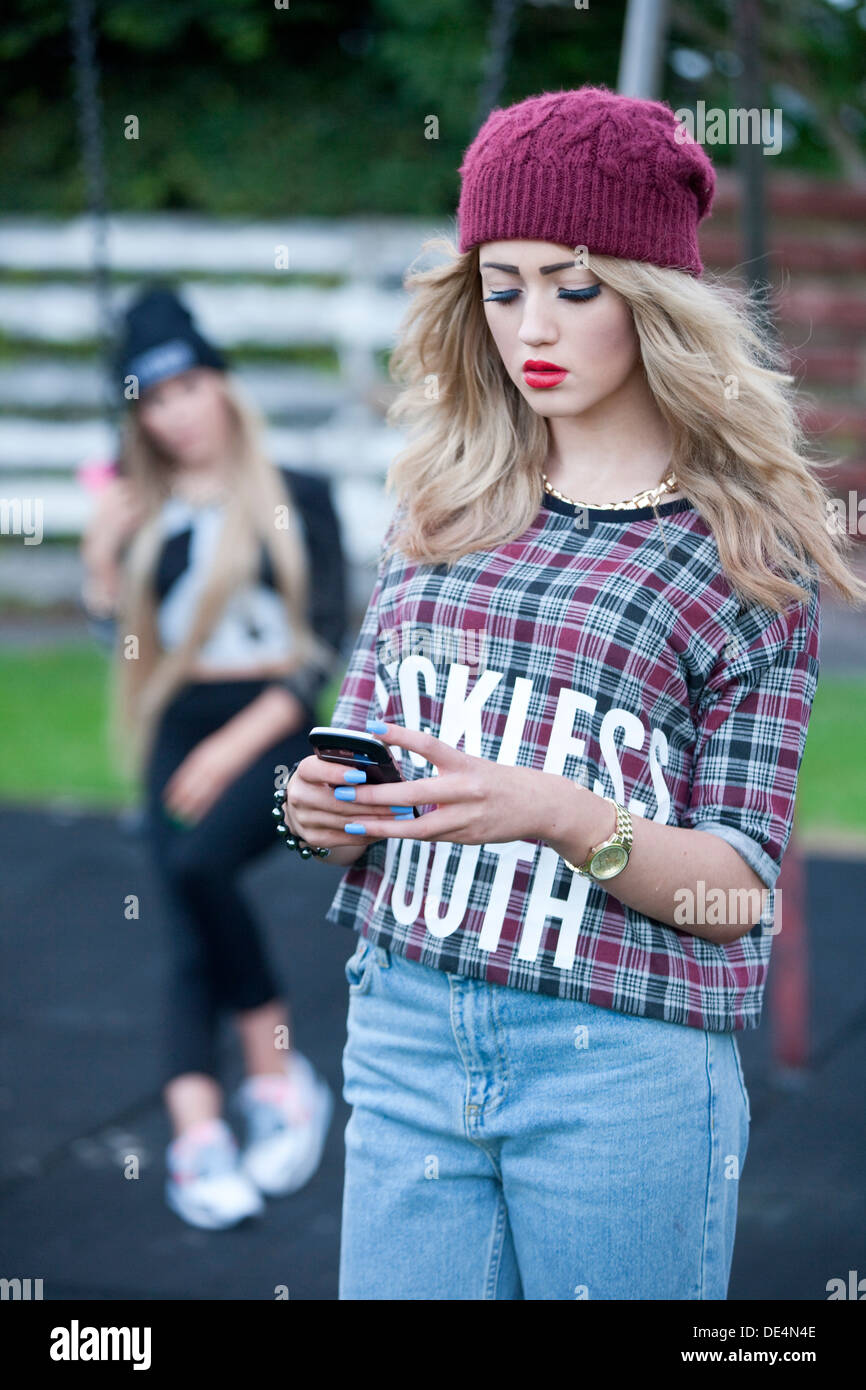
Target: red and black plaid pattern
[[605, 647]]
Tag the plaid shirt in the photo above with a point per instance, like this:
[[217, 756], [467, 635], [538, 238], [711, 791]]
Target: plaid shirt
[[609, 648]]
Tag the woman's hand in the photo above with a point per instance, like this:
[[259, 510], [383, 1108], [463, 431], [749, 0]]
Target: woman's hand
[[313, 812], [205, 773], [476, 800], [117, 515]]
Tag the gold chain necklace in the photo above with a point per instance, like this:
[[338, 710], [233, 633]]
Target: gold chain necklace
[[647, 498]]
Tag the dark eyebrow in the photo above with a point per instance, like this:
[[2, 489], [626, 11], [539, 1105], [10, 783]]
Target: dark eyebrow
[[543, 270]]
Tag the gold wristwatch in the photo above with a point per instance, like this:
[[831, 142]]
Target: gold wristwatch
[[609, 858]]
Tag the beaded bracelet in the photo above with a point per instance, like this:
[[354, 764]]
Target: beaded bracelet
[[293, 841]]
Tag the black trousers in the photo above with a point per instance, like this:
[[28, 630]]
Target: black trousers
[[218, 961]]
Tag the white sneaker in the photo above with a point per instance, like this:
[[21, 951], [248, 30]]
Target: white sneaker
[[287, 1120], [206, 1185]]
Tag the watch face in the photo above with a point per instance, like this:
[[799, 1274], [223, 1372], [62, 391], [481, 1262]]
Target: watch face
[[608, 861]]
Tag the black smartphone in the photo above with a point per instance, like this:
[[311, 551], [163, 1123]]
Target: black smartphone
[[351, 748]]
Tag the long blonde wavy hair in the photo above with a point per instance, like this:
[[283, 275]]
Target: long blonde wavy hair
[[144, 675], [469, 477]]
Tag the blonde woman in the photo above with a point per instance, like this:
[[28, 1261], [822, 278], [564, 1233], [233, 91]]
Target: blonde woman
[[592, 648], [226, 577]]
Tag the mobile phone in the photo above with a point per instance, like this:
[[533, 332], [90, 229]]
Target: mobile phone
[[350, 748]]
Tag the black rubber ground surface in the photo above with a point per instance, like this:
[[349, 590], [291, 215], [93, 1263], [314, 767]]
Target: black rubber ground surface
[[79, 1086]]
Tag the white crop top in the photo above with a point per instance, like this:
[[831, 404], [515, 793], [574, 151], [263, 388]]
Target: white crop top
[[253, 627]]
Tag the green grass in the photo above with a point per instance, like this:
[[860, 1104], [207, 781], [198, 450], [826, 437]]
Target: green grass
[[53, 740], [53, 744], [832, 786]]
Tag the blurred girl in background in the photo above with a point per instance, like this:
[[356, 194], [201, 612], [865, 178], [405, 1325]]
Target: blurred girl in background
[[225, 576]]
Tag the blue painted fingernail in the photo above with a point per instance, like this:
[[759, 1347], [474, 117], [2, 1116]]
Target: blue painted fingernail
[[401, 812], [354, 829], [375, 726], [344, 793], [355, 774]]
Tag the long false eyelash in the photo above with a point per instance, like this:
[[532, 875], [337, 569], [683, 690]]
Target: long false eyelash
[[506, 296]]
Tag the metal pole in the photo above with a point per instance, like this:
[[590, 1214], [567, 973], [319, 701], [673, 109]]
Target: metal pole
[[750, 160], [643, 44], [497, 53], [89, 113], [789, 976], [789, 992]]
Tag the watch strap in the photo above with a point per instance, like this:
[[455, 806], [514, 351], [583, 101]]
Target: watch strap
[[622, 836]]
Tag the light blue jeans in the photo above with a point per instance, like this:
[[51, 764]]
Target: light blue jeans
[[507, 1144]]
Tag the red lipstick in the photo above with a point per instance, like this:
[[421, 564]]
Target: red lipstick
[[540, 374]]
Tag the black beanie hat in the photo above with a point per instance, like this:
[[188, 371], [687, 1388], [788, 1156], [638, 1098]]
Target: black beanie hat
[[159, 340]]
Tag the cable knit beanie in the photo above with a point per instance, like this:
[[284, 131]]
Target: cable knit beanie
[[588, 167]]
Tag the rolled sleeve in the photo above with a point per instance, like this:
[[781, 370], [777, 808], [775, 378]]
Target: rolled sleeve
[[755, 856], [751, 724]]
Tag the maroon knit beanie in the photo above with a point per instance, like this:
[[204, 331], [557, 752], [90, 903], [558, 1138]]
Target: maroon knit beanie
[[588, 168]]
